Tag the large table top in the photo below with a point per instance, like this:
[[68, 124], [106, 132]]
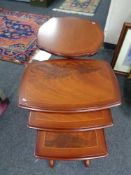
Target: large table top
[[68, 85], [70, 36]]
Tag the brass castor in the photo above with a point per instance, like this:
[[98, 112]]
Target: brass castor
[[86, 163], [51, 163]]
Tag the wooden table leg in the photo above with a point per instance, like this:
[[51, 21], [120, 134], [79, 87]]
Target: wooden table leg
[[86, 163], [51, 163]]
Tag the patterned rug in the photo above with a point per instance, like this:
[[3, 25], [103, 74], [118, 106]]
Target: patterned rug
[[83, 7], [18, 33]]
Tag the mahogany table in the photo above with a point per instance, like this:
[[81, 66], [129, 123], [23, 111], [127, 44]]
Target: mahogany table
[[70, 36], [69, 102]]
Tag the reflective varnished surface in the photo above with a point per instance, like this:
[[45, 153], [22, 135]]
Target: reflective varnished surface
[[70, 36], [77, 145], [70, 121], [69, 85]]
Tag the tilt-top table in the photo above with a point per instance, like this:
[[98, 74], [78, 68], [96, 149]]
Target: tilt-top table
[[70, 37]]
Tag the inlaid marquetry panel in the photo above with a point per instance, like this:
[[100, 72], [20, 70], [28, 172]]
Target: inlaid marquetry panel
[[77, 145], [70, 140]]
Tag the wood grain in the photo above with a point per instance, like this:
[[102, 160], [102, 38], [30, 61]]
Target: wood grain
[[68, 85]]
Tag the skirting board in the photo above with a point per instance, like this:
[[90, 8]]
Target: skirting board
[[109, 46]]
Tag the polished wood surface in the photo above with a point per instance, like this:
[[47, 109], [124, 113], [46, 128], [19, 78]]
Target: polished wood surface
[[70, 36], [71, 146], [68, 85], [70, 121]]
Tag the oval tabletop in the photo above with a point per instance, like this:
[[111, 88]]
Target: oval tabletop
[[70, 36], [68, 85]]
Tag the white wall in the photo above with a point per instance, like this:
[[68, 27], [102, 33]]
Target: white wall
[[119, 12]]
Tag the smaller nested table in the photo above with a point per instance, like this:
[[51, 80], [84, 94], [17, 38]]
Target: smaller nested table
[[71, 146], [69, 122], [70, 36], [70, 136]]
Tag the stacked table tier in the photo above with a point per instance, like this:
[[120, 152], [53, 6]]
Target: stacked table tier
[[70, 121], [71, 146], [69, 85]]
